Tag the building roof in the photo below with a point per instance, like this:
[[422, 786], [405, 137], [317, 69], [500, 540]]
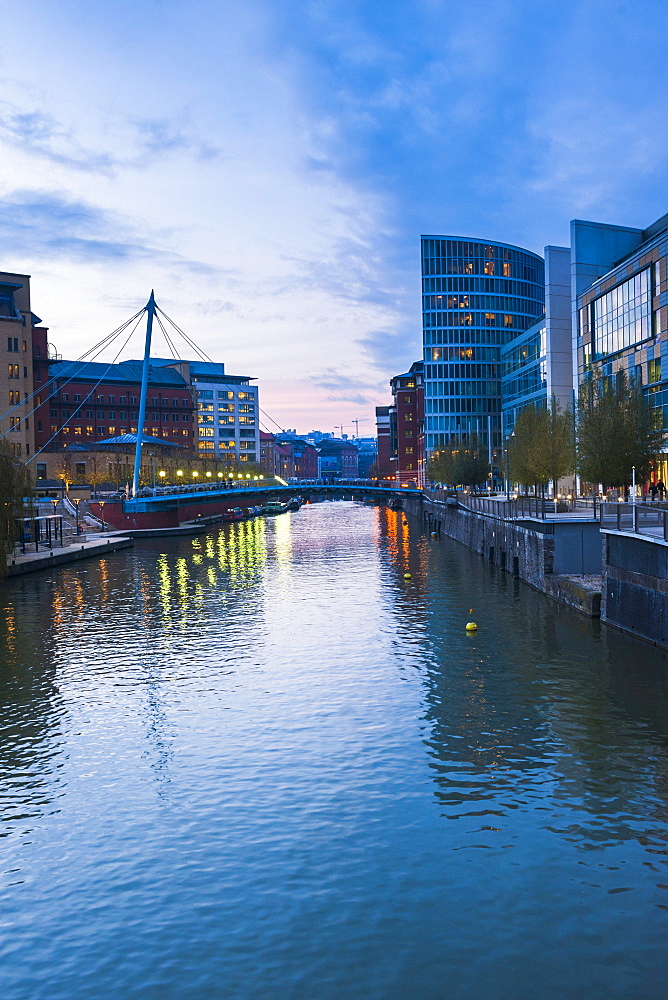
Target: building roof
[[124, 371], [203, 371], [132, 439]]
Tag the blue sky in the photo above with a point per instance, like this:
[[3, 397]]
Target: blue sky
[[268, 167]]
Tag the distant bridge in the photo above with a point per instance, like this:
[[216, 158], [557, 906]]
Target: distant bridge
[[167, 507]]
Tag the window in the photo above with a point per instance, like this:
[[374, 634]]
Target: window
[[244, 420], [654, 371], [623, 316], [65, 398], [206, 446], [227, 432], [39, 425], [507, 273], [25, 345], [100, 414], [13, 371], [246, 445], [12, 344], [246, 408], [175, 417], [90, 431], [14, 423], [89, 414], [134, 415], [507, 320], [225, 420], [41, 470], [122, 400], [408, 416], [111, 415], [225, 395], [490, 319], [165, 416], [54, 428], [185, 417], [175, 402], [207, 408], [226, 407], [133, 401], [225, 444], [185, 433], [154, 402], [65, 414], [38, 374], [409, 449], [123, 415], [76, 397], [79, 469], [111, 431], [100, 399], [489, 267], [100, 432], [246, 433], [77, 430], [245, 395], [112, 400]]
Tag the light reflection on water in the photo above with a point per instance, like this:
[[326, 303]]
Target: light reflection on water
[[259, 763]]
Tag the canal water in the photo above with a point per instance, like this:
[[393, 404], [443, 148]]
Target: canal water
[[259, 764]]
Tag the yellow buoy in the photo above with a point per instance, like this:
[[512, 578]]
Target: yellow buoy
[[407, 576], [471, 627], [434, 534]]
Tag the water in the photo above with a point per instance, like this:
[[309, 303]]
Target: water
[[261, 764]]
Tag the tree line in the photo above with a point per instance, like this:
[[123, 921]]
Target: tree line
[[614, 429]]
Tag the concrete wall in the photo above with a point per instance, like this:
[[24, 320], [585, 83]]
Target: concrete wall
[[534, 551], [635, 585]]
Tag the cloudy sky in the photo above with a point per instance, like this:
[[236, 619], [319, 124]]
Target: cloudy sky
[[268, 166]]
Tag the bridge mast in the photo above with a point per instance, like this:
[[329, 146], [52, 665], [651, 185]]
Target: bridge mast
[[150, 312]]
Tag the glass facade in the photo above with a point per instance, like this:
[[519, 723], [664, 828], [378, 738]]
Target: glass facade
[[622, 317], [524, 374], [476, 297]]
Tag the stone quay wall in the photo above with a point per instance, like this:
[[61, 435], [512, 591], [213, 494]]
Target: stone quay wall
[[528, 551], [635, 591]]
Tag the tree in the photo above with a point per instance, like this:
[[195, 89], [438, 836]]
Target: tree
[[617, 429], [542, 448], [462, 463], [15, 486]]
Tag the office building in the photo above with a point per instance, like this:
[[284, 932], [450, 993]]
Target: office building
[[476, 296], [536, 366], [620, 308], [23, 340], [407, 445]]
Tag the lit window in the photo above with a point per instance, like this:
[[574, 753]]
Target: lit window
[[66, 430], [185, 433], [77, 431], [54, 428], [90, 430], [507, 320], [111, 430], [489, 267], [506, 270]]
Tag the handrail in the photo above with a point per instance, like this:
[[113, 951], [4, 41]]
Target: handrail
[[636, 518]]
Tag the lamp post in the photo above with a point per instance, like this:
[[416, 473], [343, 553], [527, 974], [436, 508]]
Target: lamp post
[[101, 504], [76, 501], [633, 484]]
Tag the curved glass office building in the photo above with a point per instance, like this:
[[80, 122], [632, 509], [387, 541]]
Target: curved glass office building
[[476, 297]]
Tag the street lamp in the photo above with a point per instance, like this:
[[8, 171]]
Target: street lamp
[[76, 503], [101, 504]]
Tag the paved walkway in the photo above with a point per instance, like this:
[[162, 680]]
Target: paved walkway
[[28, 562]]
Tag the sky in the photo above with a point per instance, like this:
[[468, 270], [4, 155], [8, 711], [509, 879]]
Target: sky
[[268, 167]]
